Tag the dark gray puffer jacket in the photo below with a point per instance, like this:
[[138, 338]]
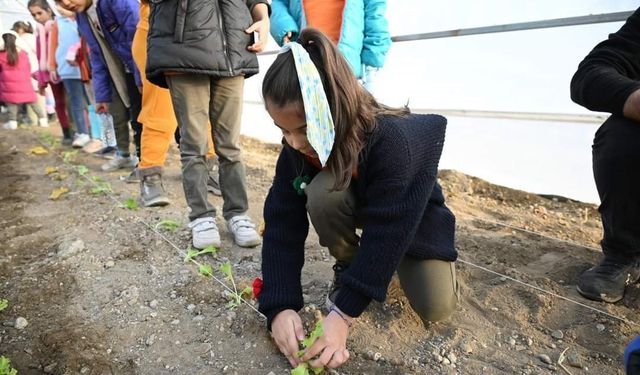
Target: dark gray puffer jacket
[[201, 37]]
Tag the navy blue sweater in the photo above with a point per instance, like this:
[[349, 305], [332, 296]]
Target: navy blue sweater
[[402, 211]]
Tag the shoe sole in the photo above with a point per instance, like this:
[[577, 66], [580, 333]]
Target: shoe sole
[[248, 243], [599, 297], [202, 246], [156, 202]]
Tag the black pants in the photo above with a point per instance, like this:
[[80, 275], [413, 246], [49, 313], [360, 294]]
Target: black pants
[[616, 168], [135, 98]]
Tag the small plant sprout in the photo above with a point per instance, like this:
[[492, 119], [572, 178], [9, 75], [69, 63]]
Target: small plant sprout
[[102, 188], [235, 298], [5, 367], [168, 225], [303, 368], [82, 170], [69, 156], [192, 253], [97, 179], [49, 139], [3, 304], [130, 204], [205, 270]]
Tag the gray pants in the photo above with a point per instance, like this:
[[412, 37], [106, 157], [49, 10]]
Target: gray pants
[[120, 114], [198, 99], [13, 110], [430, 285]]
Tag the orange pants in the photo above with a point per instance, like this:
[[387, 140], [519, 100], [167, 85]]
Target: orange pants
[[156, 116]]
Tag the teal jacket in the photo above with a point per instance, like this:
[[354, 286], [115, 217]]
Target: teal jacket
[[364, 37]]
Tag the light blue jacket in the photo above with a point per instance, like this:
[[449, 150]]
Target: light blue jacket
[[67, 37], [364, 37]]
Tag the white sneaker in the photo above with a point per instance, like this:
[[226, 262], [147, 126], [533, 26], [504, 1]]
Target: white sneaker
[[243, 230], [204, 232], [120, 162], [93, 146], [43, 122], [80, 140], [11, 125]]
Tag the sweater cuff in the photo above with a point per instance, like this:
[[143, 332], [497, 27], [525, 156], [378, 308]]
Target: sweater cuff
[[351, 302]]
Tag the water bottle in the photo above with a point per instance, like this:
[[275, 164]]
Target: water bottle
[[108, 132], [95, 122]]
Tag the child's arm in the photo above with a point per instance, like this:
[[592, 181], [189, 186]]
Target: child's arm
[[100, 74], [282, 22], [53, 47], [377, 39]]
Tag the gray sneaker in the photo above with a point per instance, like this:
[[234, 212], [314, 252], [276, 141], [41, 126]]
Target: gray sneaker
[[152, 193], [120, 162]]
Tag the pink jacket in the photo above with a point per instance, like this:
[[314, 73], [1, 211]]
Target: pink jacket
[[15, 81]]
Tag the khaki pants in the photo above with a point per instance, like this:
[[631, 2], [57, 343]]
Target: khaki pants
[[429, 284], [198, 99]]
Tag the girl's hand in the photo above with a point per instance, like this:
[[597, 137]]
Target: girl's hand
[[332, 345], [53, 76], [261, 31], [287, 331]]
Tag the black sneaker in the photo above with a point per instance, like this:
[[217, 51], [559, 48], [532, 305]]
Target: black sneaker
[[338, 269], [606, 281], [152, 193]]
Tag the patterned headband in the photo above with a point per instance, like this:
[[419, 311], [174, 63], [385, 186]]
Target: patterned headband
[[320, 130]]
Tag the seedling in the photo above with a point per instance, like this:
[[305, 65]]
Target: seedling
[[303, 368], [5, 367], [205, 270], [192, 253], [168, 225], [69, 156], [235, 297], [82, 170], [130, 204], [49, 139], [102, 188], [3, 304], [97, 179]]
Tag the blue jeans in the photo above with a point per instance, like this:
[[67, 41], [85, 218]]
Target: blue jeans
[[75, 90]]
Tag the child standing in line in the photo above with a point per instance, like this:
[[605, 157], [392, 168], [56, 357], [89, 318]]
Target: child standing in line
[[109, 27], [15, 81], [202, 51], [159, 121], [350, 162], [43, 14], [64, 37]]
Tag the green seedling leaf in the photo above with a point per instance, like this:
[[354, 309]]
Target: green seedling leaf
[[5, 367], [314, 335], [205, 270], [233, 304], [103, 188], [191, 253], [49, 139], [225, 268], [209, 250], [168, 224], [3, 304], [130, 204], [69, 156], [82, 170], [317, 370], [97, 179], [247, 291], [300, 370]]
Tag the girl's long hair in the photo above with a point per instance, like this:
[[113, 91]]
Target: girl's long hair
[[24, 26], [10, 47], [353, 108]]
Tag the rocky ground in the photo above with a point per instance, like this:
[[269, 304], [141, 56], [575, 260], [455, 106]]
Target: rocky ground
[[94, 288]]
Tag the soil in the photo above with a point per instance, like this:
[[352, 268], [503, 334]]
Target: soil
[[102, 293]]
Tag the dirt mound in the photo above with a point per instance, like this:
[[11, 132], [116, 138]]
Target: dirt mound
[[103, 293]]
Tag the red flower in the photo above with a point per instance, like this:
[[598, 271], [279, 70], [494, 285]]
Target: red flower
[[257, 287]]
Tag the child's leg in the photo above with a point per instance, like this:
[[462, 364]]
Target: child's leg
[[134, 111], [60, 105], [75, 90], [333, 215], [225, 116], [155, 144], [190, 96], [430, 286], [40, 113], [12, 110], [120, 115]]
